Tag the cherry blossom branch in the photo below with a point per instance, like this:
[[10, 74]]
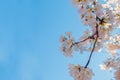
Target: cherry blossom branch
[[94, 37], [93, 46], [97, 35], [89, 37]]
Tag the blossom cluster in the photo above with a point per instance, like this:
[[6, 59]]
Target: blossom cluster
[[109, 64], [80, 73], [67, 42], [113, 45], [112, 63]]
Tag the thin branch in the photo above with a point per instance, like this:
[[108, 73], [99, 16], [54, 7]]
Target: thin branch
[[82, 40], [93, 47], [89, 37], [91, 53]]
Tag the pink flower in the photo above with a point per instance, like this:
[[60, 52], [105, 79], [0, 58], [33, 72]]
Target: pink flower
[[82, 10], [109, 64], [80, 73], [66, 44]]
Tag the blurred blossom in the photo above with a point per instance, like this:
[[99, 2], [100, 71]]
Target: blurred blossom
[[80, 73]]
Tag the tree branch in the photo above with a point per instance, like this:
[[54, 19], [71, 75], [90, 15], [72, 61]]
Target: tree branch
[[93, 46], [89, 37]]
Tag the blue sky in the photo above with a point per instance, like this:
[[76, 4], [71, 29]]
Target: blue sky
[[29, 40]]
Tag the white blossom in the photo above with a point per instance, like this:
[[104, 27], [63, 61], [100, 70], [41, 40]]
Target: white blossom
[[80, 73], [66, 44]]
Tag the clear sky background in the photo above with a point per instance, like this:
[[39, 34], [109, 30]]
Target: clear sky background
[[29, 40]]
